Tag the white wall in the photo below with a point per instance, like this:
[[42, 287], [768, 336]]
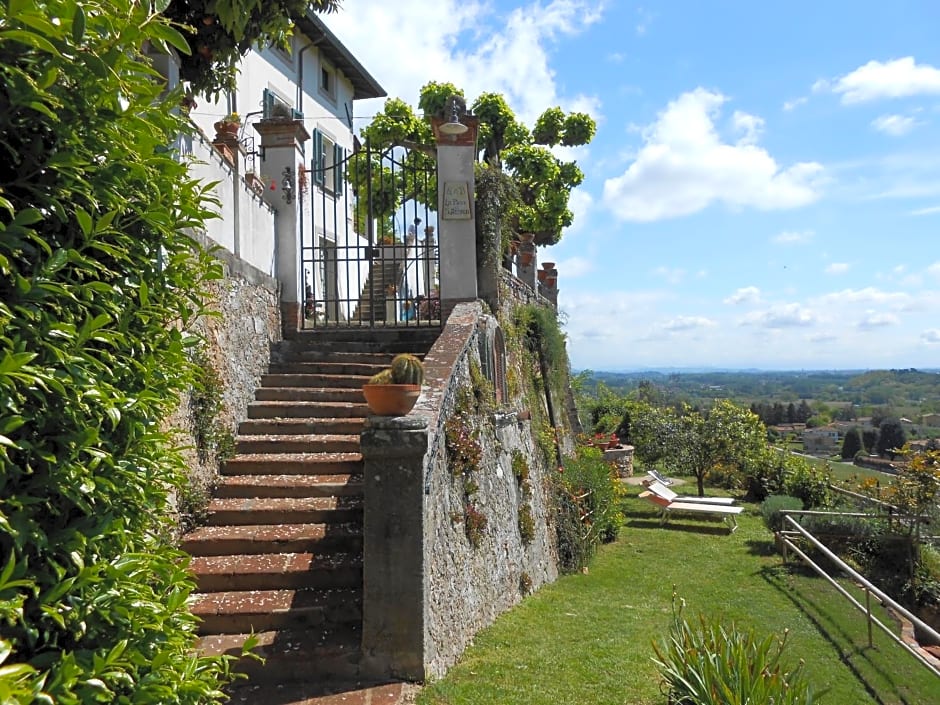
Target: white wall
[[245, 226]]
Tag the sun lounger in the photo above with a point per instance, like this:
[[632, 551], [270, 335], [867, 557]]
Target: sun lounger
[[728, 514], [668, 494], [659, 477]]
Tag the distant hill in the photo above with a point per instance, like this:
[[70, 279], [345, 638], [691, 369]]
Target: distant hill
[[904, 389]]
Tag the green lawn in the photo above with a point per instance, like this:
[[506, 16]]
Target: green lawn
[[586, 639]]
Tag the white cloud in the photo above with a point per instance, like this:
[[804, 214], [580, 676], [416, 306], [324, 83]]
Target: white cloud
[[931, 336], [897, 78], [837, 268], [894, 125], [644, 21], [673, 276], [931, 210], [795, 103], [751, 125], [781, 316], [873, 320], [684, 166], [869, 295], [687, 323], [575, 267], [794, 237], [512, 55], [581, 204], [744, 295], [934, 269]]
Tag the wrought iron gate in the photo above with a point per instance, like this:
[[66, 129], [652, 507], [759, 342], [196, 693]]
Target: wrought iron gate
[[368, 251]]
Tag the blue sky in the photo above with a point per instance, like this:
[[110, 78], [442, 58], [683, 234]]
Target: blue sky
[[764, 186]]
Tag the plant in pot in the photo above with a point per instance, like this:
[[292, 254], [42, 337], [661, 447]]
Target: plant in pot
[[394, 391], [228, 126]]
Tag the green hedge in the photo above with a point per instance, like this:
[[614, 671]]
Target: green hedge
[[98, 284]]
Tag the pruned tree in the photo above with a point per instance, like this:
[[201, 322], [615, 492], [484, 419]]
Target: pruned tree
[[851, 444], [891, 438], [542, 182], [869, 439]]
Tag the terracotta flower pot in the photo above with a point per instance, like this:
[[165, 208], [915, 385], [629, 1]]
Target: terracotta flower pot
[[391, 399], [228, 129]]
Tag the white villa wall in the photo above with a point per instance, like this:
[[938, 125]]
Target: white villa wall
[[324, 216], [245, 226]]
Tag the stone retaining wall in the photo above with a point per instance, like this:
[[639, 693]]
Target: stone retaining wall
[[238, 348], [434, 590]]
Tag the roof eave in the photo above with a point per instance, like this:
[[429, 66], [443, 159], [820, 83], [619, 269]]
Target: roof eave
[[364, 84]]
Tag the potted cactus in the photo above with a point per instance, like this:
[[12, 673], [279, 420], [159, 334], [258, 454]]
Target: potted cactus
[[394, 391]]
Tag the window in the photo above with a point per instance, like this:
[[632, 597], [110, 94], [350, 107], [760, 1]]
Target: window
[[328, 164], [275, 105], [327, 80]]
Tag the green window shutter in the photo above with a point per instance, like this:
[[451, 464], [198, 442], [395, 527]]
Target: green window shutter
[[267, 103], [319, 176], [338, 156]]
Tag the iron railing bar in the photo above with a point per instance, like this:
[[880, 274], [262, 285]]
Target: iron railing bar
[[880, 594], [869, 618]]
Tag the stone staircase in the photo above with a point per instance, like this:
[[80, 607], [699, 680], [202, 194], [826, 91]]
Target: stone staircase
[[382, 274], [281, 554]]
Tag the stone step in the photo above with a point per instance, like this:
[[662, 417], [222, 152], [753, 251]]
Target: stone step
[[314, 381], [315, 344], [321, 538], [304, 443], [241, 511], [292, 655], [263, 610], [300, 427], [319, 485], [333, 355], [306, 410], [331, 368], [294, 463], [276, 571], [348, 395]]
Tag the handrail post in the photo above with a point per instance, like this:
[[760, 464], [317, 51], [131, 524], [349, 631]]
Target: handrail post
[[868, 615]]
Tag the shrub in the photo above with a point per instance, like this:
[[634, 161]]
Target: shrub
[[714, 665], [807, 482], [587, 507], [772, 507], [99, 283]]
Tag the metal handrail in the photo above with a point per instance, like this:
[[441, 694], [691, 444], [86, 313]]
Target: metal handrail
[[869, 588]]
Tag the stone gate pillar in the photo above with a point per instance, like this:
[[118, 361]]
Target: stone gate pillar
[[393, 561], [456, 154], [282, 142]]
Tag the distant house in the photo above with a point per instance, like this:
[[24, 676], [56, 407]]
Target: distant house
[[824, 439]]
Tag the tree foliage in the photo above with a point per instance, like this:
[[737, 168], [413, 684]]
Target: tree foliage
[[891, 438], [852, 443], [725, 435], [97, 285], [218, 33], [543, 182]]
